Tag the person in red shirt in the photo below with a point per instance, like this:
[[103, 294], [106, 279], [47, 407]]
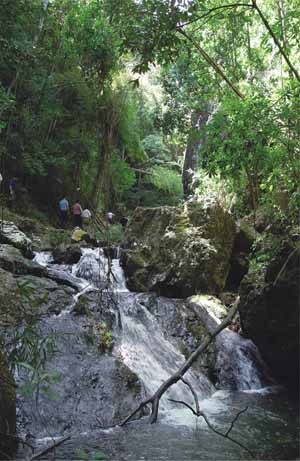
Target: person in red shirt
[[77, 210]]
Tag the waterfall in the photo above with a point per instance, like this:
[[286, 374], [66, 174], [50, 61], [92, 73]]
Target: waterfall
[[154, 359], [144, 346]]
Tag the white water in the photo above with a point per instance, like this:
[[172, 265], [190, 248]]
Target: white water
[[43, 258], [145, 349], [153, 358], [94, 267]]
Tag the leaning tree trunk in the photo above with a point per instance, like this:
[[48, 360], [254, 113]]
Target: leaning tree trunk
[[194, 143]]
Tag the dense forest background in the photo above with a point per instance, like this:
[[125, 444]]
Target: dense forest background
[[146, 102]]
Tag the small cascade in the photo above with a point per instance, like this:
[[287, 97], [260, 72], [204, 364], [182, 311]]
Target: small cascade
[[239, 363], [43, 258], [102, 273], [153, 358], [143, 345]]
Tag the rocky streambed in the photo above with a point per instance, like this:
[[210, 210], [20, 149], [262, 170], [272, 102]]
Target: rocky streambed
[[107, 348]]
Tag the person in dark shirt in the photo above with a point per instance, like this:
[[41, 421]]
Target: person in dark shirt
[[124, 221]]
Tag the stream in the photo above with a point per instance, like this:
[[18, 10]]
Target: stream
[[92, 392]]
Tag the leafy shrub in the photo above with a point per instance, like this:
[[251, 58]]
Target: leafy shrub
[[167, 181], [214, 189], [113, 234]]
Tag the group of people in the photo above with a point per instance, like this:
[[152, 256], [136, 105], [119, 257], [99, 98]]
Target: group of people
[[80, 216]]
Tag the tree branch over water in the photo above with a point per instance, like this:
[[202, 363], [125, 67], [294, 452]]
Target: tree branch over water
[[155, 398]]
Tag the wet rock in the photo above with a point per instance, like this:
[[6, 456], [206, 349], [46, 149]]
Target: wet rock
[[184, 328], [62, 277], [12, 235], [7, 411], [92, 389], [67, 254], [269, 310], [12, 260], [179, 251], [20, 295], [49, 297]]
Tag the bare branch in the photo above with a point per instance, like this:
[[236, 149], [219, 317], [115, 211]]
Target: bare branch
[[142, 405], [194, 394], [277, 42], [186, 405], [173, 379], [46, 450], [212, 10], [212, 63], [227, 436], [235, 419]]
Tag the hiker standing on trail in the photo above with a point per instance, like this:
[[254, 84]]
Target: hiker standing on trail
[[77, 212], [64, 211], [86, 216], [110, 217]]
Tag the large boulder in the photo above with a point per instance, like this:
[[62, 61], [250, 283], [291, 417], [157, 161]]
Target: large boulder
[[269, 309], [30, 295], [11, 260], [12, 235], [67, 254], [7, 411], [179, 251]]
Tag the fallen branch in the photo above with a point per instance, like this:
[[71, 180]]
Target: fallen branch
[[155, 398], [199, 413], [194, 394], [226, 435], [46, 450]]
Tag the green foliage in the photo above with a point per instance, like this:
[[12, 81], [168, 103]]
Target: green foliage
[[122, 176], [167, 181], [28, 349], [106, 337], [76, 111], [155, 147], [214, 189], [113, 234], [100, 335]]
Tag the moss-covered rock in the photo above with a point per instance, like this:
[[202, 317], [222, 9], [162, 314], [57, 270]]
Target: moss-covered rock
[[7, 411], [269, 306], [179, 251], [12, 235]]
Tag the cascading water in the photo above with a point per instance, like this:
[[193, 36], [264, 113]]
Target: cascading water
[[144, 345], [145, 350]]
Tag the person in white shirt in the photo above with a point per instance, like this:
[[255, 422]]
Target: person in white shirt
[[110, 217], [86, 216]]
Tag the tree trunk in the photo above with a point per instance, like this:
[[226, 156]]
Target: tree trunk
[[194, 143]]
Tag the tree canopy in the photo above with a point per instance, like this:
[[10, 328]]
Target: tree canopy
[[116, 97]]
